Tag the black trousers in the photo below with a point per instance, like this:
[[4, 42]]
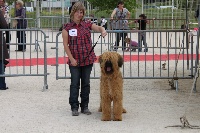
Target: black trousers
[[118, 38], [21, 35], [8, 37]]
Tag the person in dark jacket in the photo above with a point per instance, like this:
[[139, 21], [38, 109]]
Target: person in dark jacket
[[20, 15], [3, 52], [70, 8], [5, 9]]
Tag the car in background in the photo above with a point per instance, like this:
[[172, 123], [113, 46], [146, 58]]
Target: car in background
[[29, 9], [172, 7], [148, 7]]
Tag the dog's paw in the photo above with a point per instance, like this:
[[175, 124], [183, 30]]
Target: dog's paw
[[124, 110], [100, 110], [105, 119], [117, 118]]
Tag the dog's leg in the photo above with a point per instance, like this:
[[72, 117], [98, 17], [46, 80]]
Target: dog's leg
[[117, 99], [105, 104], [117, 109], [100, 108], [101, 88], [106, 108]]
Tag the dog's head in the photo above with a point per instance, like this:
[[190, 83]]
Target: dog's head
[[110, 62]]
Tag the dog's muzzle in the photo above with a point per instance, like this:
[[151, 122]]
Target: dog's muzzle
[[108, 67]]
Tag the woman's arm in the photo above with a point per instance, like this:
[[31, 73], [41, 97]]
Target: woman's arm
[[128, 15], [113, 13], [3, 24], [99, 29], [66, 47]]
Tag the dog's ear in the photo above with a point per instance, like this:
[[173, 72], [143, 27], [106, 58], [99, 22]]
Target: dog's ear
[[100, 59], [120, 60]]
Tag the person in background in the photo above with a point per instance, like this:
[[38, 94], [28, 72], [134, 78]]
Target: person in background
[[92, 19], [20, 15], [198, 16], [132, 45], [103, 22], [120, 23], [3, 52], [142, 21], [70, 8], [78, 47], [5, 10]]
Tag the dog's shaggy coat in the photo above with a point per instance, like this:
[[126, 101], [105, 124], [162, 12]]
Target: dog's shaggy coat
[[111, 86]]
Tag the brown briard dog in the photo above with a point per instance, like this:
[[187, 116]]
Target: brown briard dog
[[111, 86]]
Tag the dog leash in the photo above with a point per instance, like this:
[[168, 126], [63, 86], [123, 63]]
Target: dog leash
[[90, 51]]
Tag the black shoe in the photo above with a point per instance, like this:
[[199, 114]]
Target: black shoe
[[21, 50], [18, 50], [75, 112], [86, 111], [4, 88], [146, 50]]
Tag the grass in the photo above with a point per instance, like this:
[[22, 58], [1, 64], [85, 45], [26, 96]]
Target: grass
[[163, 18]]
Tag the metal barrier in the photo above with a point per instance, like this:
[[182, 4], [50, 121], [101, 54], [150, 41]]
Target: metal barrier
[[165, 47], [50, 25], [28, 62]]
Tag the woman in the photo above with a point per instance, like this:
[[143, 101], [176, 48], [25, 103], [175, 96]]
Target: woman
[[3, 52], [78, 45], [5, 10], [20, 15], [120, 23]]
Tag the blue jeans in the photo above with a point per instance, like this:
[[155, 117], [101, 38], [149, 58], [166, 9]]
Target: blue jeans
[[2, 79], [80, 73], [142, 38]]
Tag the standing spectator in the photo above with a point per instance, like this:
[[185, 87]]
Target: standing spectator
[[92, 19], [142, 35], [78, 46], [103, 22], [70, 8], [198, 16], [20, 15], [120, 23], [3, 51], [5, 10]]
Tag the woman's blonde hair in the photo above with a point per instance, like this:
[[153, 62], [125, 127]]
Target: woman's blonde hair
[[20, 2], [76, 7]]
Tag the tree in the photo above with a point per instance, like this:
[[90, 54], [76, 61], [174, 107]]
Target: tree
[[12, 1], [111, 4]]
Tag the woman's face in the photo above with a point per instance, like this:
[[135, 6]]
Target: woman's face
[[121, 6], [1, 3], [78, 15], [17, 5]]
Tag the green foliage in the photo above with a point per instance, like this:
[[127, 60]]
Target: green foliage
[[12, 1], [111, 4]]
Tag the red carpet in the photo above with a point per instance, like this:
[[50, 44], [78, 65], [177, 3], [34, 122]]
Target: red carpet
[[127, 58]]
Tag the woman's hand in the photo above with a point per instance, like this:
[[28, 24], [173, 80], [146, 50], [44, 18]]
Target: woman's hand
[[103, 33], [74, 62]]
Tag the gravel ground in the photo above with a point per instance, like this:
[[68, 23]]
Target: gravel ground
[[150, 103]]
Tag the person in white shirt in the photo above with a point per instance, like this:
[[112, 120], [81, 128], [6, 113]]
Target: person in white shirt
[[103, 22]]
